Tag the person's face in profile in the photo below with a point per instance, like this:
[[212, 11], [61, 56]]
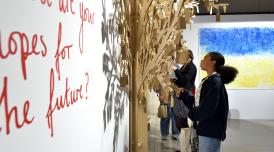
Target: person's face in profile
[[207, 63], [185, 57]]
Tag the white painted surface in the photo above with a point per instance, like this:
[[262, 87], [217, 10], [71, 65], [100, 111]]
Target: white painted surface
[[95, 122]]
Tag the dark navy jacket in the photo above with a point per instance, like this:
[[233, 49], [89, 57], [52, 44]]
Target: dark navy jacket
[[186, 79], [186, 76], [212, 111]]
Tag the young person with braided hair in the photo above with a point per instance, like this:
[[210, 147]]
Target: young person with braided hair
[[211, 102]]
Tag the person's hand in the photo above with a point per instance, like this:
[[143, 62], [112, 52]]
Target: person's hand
[[174, 68], [177, 92], [171, 79]]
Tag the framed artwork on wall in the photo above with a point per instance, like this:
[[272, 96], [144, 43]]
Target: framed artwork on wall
[[249, 49]]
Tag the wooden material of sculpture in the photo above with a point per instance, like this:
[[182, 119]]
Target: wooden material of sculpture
[[150, 33]]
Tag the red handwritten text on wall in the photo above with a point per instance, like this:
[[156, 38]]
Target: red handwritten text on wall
[[14, 110], [62, 52], [85, 15], [25, 47], [69, 97], [49, 2], [64, 6]]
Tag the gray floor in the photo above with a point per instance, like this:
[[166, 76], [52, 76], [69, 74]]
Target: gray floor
[[242, 136]]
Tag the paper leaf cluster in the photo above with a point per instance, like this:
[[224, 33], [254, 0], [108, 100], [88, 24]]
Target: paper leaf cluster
[[159, 27]]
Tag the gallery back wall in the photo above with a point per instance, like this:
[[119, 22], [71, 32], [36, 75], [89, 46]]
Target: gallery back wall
[[245, 102]]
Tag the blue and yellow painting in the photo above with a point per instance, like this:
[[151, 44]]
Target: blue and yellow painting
[[249, 49]]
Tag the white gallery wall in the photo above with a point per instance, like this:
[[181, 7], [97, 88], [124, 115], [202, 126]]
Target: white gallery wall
[[244, 103], [59, 69]]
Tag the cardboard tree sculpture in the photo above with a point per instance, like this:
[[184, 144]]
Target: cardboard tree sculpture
[[155, 38], [149, 33], [159, 27]]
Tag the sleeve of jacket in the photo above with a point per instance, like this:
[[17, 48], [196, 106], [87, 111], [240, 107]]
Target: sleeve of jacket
[[209, 103], [186, 76]]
